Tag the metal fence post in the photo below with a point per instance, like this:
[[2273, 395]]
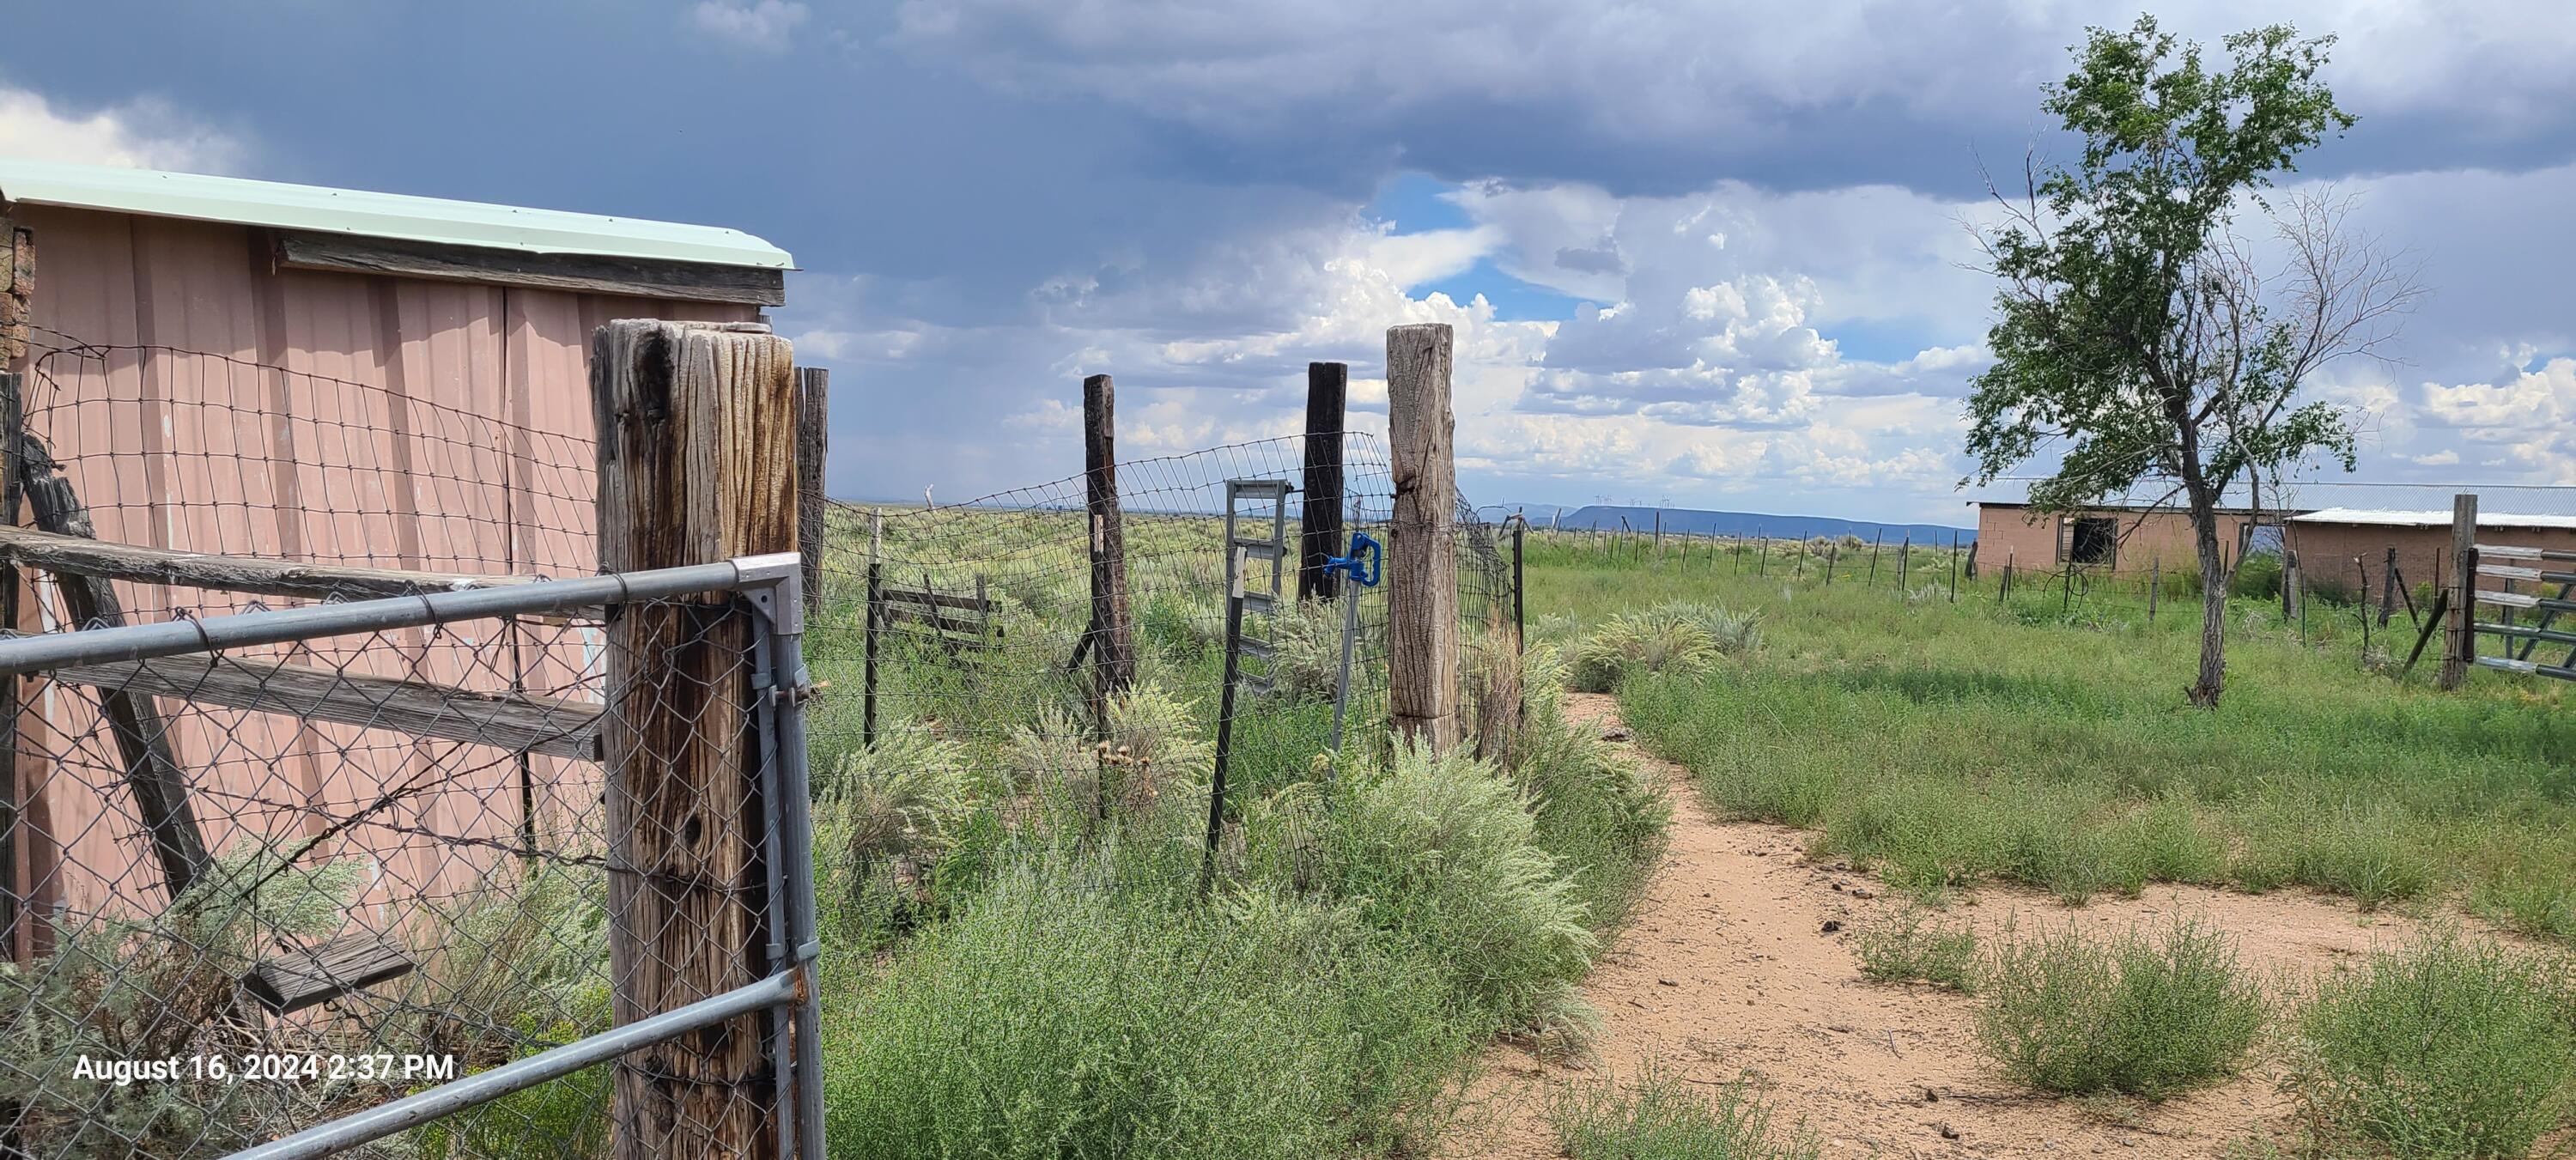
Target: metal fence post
[[781, 689]]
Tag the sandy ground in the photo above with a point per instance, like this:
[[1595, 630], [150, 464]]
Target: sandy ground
[[1728, 971]]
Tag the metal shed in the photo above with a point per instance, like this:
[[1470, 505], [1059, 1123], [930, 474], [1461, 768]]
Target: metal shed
[[325, 376]]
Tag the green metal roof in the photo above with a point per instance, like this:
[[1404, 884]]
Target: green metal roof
[[377, 215]]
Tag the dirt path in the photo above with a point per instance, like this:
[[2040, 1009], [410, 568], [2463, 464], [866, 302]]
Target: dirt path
[[1728, 971]]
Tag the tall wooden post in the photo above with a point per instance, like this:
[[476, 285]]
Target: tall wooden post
[[1113, 651], [2459, 639], [697, 463], [813, 438], [872, 626], [1422, 568], [12, 815], [1319, 513], [17, 299]]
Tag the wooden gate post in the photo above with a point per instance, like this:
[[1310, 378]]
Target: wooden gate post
[[2459, 640], [697, 463], [1319, 513], [813, 441], [1113, 651], [1422, 564]]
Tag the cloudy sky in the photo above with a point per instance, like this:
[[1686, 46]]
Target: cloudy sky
[[1700, 254]]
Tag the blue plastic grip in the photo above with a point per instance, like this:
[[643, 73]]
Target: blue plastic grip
[[1367, 574]]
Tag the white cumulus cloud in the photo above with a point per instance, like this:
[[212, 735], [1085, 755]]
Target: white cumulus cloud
[[140, 134], [767, 26]]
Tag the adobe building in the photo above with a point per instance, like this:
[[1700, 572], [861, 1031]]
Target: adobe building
[[2339, 546], [2119, 538]]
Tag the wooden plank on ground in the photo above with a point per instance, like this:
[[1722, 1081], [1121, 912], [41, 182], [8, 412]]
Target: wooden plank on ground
[[513, 722], [295, 980]]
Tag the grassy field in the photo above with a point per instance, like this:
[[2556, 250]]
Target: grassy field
[[1948, 740], [2044, 738], [1032, 953]]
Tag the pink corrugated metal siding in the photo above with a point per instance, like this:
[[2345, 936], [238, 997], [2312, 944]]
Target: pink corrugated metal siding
[[323, 417]]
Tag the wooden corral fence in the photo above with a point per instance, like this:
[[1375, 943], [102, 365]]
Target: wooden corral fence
[[959, 621]]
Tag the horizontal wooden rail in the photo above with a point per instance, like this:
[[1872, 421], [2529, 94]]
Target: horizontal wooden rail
[[938, 600], [513, 722], [938, 620], [81, 556]]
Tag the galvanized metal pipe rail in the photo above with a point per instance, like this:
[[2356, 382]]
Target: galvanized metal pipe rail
[[140, 642], [482, 1087]]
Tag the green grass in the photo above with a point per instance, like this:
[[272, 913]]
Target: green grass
[[2044, 739], [1661, 1118], [2146, 1013], [1056, 1016], [1913, 945], [2446, 1047], [1022, 958]]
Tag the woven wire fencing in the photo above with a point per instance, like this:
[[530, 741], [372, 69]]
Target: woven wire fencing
[[268, 872], [962, 657], [206, 452]]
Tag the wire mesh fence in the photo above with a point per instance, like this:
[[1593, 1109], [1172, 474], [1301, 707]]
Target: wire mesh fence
[[964, 657], [274, 869], [208, 452]]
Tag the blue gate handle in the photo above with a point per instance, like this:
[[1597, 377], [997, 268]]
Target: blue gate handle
[[1365, 576]]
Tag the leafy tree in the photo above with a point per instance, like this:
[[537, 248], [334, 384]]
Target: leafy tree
[[2136, 334]]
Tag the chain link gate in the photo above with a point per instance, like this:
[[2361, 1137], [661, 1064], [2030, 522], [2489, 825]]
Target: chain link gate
[[416, 877]]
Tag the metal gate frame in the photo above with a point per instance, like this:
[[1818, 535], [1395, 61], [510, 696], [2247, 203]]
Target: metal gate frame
[[771, 588]]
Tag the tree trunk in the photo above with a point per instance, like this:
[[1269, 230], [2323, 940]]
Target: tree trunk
[[2206, 687]]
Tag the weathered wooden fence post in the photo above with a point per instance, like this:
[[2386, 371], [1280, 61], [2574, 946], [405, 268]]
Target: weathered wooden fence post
[[12, 811], [2291, 583], [2387, 588], [872, 628], [1319, 513], [697, 463], [813, 440], [1113, 652], [1422, 565], [2459, 641]]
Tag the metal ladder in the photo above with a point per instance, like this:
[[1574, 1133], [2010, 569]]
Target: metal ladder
[[1243, 601], [1244, 581]]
